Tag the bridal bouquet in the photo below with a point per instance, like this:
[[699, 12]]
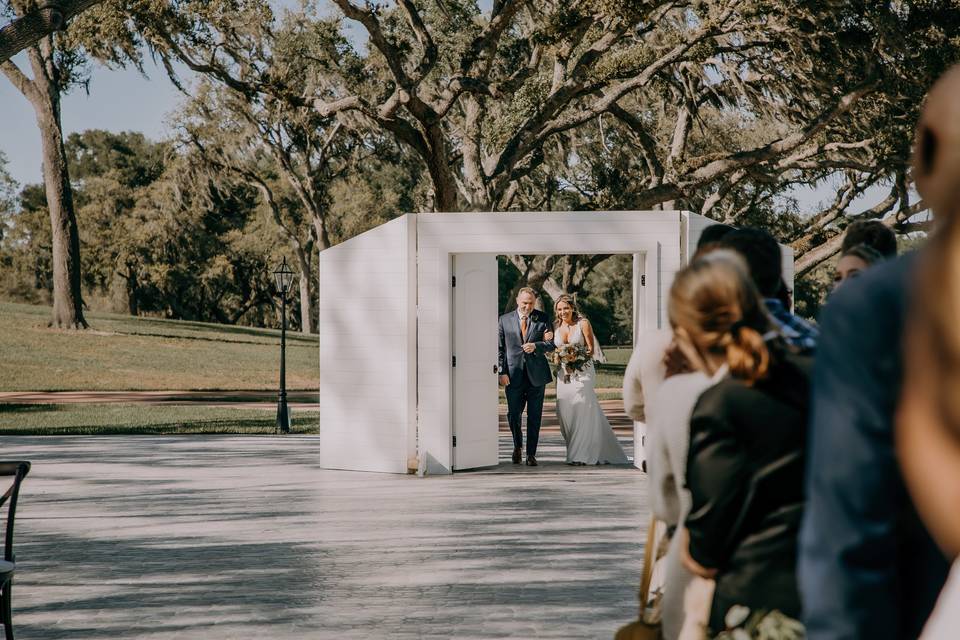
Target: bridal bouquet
[[568, 358]]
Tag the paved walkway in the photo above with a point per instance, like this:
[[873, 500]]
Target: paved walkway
[[244, 537]]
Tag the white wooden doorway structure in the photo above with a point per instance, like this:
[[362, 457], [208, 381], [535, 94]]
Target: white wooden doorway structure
[[392, 397]]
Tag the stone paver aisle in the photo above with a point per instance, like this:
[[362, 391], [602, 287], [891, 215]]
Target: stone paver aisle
[[244, 537]]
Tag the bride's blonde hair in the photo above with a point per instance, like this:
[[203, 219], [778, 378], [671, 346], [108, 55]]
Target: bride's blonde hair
[[565, 297]]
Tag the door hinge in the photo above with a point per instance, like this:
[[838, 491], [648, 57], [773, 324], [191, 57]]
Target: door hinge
[[643, 280], [454, 440], [454, 360], [454, 281]]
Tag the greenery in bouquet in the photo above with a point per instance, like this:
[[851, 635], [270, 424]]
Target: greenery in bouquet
[[569, 358]]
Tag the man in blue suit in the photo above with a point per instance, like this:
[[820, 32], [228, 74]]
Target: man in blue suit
[[525, 338]]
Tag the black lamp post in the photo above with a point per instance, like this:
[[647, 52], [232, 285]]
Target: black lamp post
[[283, 277]]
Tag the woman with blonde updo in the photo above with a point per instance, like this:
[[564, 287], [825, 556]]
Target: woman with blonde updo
[[747, 436]]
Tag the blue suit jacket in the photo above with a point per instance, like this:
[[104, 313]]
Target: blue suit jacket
[[867, 567], [512, 359]]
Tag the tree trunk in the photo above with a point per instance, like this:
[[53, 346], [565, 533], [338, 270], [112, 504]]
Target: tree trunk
[[552, 289], [441, 175], [67, 301], [307, 321], [133, 291]]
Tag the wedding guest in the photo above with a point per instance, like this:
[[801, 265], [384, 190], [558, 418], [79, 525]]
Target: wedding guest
[[668, 420], [853, 262], [872, 233], [868, 568], [744, 467], [645, 372], [763, 257]]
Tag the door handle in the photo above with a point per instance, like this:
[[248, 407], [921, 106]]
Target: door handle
[[496, 369]]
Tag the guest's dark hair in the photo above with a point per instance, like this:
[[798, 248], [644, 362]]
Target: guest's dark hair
[[762, 253], [865, 252], [713, 233], [872, 233]]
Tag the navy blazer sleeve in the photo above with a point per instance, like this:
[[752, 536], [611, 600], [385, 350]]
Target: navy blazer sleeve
[[852, 542]]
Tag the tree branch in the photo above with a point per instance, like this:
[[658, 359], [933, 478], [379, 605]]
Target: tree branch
[[40, 21], [23, 84], [711, 169]]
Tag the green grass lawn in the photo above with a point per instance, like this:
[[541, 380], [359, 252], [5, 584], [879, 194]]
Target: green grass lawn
[[102, 419], [121, 352]]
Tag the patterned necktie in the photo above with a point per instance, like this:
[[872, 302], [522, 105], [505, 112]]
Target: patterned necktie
[[523, 327]]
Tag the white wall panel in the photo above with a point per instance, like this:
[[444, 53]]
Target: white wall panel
[[368, 350]]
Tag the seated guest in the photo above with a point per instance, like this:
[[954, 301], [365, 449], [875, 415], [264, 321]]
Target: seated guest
[[872, 233], [853, 262], [747, 437], [763, 257]]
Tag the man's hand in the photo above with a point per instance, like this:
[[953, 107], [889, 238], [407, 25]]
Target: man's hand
[[529, 347], [504, 380], [548, 336]]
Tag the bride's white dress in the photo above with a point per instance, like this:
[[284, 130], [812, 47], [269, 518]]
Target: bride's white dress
[[588, 434]]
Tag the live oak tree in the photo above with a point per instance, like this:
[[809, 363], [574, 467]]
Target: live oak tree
[[53, 69]]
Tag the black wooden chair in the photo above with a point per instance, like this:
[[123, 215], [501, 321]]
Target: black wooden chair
[[19, 471]]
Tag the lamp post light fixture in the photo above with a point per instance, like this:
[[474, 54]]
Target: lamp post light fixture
[[283, 277]]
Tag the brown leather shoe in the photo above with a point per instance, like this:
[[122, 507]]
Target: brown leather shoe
[[531, 461], [516, 455]]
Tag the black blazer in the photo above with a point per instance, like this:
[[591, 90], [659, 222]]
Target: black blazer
[[745, 472], [511, 358]]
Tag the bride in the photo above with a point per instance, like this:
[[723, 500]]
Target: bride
[[589, 437]]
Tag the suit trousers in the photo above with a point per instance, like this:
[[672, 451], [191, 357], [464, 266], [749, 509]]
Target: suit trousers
[[520, 394]]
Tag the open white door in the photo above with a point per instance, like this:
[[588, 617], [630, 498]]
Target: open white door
[[475, 411], [368, 368]]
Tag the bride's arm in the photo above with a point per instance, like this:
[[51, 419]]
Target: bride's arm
[[587, 335]]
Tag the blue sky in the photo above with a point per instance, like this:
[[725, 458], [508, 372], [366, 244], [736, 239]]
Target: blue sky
[[125, 100]]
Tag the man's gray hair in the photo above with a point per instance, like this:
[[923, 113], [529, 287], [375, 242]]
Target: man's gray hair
[[528, 290]]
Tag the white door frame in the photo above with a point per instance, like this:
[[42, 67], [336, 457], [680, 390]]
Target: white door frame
[[655, 234]]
